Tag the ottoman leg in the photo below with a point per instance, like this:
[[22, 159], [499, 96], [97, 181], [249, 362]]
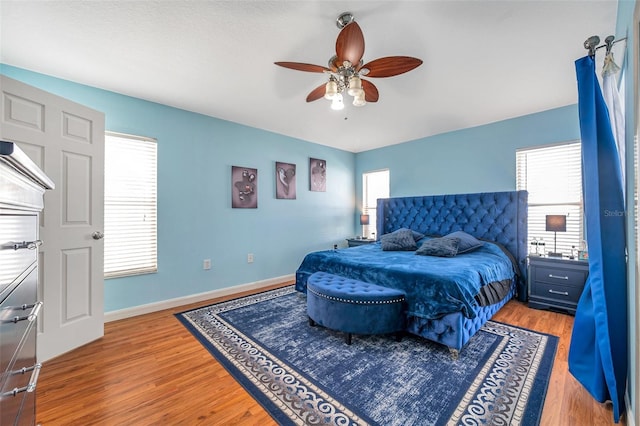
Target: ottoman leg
[[399, 336], [312, 323], [348, 338]]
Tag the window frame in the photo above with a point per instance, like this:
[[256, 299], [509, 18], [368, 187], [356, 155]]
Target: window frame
[[369, 202], [141, 236], [539, 206]]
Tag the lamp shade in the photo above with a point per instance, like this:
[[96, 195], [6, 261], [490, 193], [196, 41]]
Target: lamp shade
[[556, 223], [364, 219], [359, 99], [355, 86], [331, 89]]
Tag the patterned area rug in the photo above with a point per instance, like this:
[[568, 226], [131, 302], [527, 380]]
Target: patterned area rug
[[309, 375]]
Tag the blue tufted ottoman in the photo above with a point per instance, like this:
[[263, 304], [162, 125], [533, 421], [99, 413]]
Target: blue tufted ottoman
[[353, 306]]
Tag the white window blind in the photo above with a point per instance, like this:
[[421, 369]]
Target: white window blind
[[130, 201], [553, 177], [374, 185]]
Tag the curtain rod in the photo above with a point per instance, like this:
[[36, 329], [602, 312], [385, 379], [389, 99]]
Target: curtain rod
[[591, 44]]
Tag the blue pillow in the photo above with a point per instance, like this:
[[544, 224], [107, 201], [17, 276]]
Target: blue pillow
[[467, 242], [417, 236], [402, 239], [442, 247]]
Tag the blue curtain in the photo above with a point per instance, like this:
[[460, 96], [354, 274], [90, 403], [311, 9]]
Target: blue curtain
[[598, 351]]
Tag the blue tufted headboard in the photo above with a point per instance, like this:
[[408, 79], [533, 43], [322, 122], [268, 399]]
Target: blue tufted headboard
[[493, 216]]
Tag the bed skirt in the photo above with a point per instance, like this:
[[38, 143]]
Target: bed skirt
[[454, 330]]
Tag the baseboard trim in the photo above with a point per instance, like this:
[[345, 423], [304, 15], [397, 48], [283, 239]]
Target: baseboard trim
[[185, 300]]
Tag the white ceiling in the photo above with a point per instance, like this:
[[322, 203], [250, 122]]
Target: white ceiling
[[484, 61]]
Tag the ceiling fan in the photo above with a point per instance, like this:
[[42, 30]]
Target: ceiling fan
[[346, 68]]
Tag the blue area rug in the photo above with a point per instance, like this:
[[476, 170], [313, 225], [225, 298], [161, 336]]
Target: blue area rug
[[309, 375]]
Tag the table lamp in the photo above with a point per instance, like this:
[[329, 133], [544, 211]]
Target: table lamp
[[364, 220], [556, 223]]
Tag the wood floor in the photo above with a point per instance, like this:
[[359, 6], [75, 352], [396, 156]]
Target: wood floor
[[149, 370]]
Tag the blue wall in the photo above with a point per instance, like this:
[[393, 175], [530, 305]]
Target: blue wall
[[479, 159], [195, 155], [195, 218]]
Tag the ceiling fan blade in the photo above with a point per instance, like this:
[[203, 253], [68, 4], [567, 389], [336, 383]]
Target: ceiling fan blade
[[299, 66], [391, 65], [316, 93], [350, 44], [370, 91]]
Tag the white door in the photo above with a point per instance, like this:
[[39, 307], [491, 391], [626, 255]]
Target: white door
[[67, 141]]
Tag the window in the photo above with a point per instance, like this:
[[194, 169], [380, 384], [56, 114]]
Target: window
[[553, 177], [374, 185], [130, 200]]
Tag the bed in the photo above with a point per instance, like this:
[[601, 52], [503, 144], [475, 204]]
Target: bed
[[448, 298]]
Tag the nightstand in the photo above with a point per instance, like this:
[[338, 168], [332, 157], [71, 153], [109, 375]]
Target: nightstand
[[353, 242], [556, 283]]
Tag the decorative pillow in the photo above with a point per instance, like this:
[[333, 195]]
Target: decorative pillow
[[442, 247], [417, 236], [467, 242], [402, 239]]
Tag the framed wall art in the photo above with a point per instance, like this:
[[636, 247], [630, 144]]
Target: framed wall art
[[317, 175], [244, 188], [285, 181]]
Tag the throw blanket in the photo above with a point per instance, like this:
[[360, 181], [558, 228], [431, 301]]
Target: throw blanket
[[435, 286]]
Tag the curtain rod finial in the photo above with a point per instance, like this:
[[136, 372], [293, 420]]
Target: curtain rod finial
[[609, 42], [591, 43]]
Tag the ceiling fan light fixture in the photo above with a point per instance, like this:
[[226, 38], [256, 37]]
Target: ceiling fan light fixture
[[331, 89], [355, 85], [359, 99], [336, 103]]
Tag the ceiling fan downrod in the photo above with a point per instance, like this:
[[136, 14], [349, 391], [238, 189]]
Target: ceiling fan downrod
[[344, 19]]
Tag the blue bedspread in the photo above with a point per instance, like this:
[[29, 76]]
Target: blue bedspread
[[435, 286]]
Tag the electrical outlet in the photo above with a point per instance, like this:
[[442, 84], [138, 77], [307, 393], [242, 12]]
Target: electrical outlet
[[206, 264], [250, 258]]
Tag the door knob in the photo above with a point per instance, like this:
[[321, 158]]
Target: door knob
[[97, 235]]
